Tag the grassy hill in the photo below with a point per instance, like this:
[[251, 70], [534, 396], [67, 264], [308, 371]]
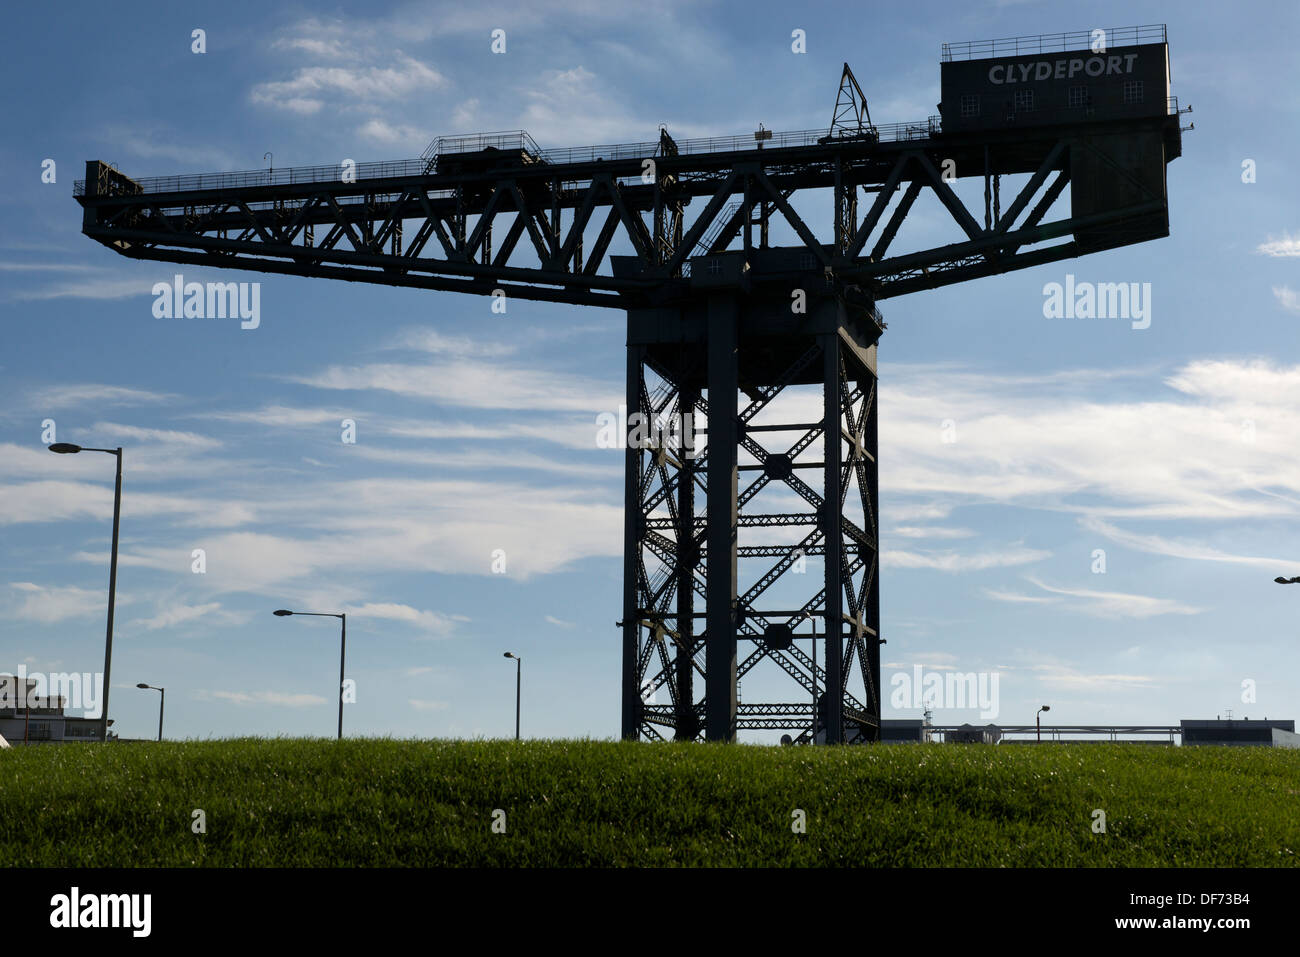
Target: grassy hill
[[295, 802]]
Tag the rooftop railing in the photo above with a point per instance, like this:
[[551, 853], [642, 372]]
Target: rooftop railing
[[1052, 42], [510, 141]]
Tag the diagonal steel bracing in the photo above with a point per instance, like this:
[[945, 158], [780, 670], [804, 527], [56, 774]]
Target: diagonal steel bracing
[[698, 604]]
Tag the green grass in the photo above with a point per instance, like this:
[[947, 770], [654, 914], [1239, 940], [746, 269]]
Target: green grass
[[374, 802]]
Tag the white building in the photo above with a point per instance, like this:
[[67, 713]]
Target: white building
[[27, 718]]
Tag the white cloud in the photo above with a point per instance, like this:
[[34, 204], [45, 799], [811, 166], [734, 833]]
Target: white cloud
[[465, 116], [263, 697], [88, 289], [281, 415], [315, 87], [565, 107], [1219, 443], [66, 396], [1119, 604], [1063, 676], [1287, 298], [1176, 548], [423, 705], [396, 135], [928, 531], [48, 604], [399, 525], [1286, 246], [954, 562], [435, 623], [191, 440], [177, 615], [1001, 595], [434, 342], [45, 267], [473, 384]]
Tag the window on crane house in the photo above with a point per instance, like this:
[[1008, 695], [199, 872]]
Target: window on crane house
[[970, 104], [715, 267], [1132, 92], [1080, 96], [1024, 101]]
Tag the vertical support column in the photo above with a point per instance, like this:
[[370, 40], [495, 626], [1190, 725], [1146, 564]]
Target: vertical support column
[[721, 517], [871, 614], [631, 712], [90, 215], [687, 723], [831, 416]]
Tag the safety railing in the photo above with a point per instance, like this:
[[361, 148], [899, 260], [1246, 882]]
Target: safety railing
[[1053, 42], [516, 140]]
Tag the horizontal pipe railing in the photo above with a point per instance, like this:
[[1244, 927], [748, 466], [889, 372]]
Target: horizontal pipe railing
[[1052, 42]]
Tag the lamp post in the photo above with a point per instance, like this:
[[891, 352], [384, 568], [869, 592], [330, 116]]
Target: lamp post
[[161, 701], [343, 648], [1038, 722], [66, 448], [519, 665]]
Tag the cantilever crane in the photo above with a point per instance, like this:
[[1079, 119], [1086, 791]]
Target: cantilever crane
[[710, 319]]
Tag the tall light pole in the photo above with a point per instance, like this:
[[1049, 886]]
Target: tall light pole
[[66, 448], [1038, 722], [519, 665], [161, 701], [343, 649]]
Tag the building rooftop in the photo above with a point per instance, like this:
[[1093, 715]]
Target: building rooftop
[[1051, 43]]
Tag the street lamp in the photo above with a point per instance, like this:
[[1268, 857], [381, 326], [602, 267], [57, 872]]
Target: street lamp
[[343, 649], [161, 701], [67, 448], [1038, 722], [519, 665]]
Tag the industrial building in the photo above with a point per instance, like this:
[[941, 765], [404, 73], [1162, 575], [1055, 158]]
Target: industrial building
[[1266, 733], [28, 718], [1243, 732]]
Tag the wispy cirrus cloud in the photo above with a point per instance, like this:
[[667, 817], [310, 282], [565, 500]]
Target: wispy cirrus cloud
[[1286, 246], [90, 393], [957, 562], [1106, 604], [172, 615], [172, 437], [434, 623], [1071, 679], [472, 384], [277, 698], [1182, 548]]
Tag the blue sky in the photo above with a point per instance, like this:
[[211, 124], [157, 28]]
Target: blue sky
[[1175, 448]]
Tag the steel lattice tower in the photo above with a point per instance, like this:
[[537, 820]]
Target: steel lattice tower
[[714, 580]]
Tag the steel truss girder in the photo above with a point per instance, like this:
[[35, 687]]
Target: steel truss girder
[[672, 580], [381, 229]]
